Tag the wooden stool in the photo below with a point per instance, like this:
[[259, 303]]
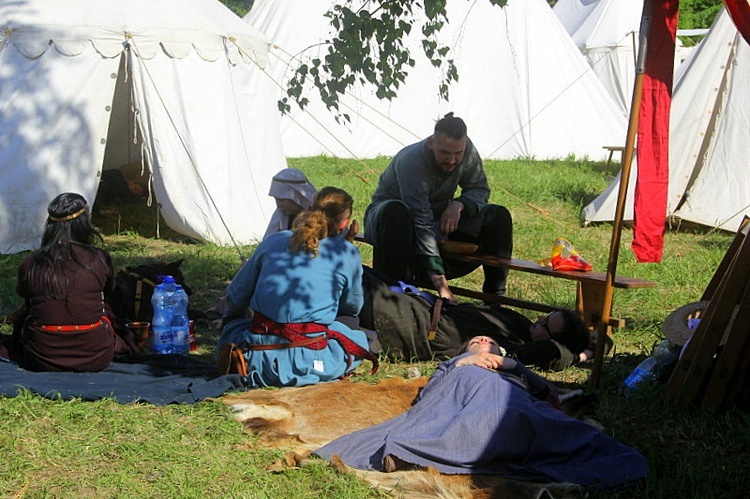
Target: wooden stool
[[612, 150]]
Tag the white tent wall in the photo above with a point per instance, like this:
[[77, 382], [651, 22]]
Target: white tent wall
[[708, 128], [211, 140], [195, 146], [604, 31], [524, 89], [52, 137], [712, 161]]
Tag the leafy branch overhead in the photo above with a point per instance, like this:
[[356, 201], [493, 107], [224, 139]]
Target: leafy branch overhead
[[370, 48]]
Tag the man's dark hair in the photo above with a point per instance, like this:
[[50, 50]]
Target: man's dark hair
[[451, 126], [575, 335]]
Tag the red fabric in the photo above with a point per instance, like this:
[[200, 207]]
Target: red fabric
[[653, 135], [295, 333], [739, 11]]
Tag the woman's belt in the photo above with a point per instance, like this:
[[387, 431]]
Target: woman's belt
[[67, 329], [295, 333]]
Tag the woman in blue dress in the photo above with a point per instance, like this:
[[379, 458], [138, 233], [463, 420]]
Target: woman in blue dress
[[481, 413], [296, 284]]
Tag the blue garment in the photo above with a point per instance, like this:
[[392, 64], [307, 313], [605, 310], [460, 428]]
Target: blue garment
[[294, 287], [471, 420]]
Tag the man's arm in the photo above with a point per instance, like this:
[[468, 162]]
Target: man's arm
[[475, 190], [441, 285]]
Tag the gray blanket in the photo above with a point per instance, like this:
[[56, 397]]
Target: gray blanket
[[155, 379]]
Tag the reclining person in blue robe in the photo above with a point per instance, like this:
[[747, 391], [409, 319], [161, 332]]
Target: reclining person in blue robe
[[481, 413]]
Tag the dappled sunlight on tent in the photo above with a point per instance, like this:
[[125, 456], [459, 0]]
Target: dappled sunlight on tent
[[93, 85]]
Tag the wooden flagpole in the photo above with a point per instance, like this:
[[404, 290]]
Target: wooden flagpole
[[627, 158]]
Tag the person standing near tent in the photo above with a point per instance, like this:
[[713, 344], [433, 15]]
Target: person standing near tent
[[293, 193], [414, 206], [64, 284], [297, 283]]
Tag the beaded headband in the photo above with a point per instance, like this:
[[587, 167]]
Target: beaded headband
[[69, 217]]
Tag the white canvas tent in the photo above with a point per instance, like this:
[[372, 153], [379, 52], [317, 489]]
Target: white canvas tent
[[708, 151], [606, 32], [93, 84], [524, 89]]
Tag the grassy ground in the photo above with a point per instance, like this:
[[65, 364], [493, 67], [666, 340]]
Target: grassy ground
[[104, 449]]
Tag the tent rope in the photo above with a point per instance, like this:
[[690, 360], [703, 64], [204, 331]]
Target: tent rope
[[189, 155]]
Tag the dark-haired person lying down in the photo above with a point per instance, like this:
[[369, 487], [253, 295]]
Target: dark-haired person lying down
[[481, 413], [402, 318]]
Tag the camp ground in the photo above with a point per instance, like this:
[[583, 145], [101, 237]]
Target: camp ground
[[116, 442]]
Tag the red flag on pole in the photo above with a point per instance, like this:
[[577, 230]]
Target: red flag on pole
[[739, 11], [653, 135]]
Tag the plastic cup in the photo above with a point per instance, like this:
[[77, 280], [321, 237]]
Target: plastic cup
[[140, 332]]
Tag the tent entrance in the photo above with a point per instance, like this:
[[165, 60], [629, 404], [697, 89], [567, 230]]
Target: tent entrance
[[122, 201]]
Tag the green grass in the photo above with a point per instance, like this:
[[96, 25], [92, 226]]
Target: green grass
[[104, 449]]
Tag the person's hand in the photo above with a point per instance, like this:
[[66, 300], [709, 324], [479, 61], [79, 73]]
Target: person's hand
[[488, 361], [586, 355], [352, 232], [440, 283], [450, 217]]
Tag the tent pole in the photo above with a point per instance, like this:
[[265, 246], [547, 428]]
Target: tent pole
[[627, 159]]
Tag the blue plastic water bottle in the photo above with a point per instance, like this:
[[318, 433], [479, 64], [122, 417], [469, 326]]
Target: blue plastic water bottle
[[650, 369], [161, 324], [180, 321]]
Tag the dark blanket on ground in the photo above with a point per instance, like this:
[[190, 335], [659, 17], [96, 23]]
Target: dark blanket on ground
[[154, 379]]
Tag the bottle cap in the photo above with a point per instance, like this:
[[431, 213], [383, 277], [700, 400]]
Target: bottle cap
[[166, 278]]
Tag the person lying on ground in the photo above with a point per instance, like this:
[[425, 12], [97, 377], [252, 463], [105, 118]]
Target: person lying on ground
[[554, 341], [481, 413], [296, 283], [403, 317]]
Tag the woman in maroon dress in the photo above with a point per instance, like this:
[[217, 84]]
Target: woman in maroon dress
[[64, 284]]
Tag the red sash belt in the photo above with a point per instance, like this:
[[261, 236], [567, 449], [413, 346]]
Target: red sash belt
[[295, 334], [76, 327]]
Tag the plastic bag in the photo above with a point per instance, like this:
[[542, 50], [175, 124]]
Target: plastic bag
[[565, 257]]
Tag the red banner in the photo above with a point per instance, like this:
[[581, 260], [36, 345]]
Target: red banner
[[739, 11], [650, 208]]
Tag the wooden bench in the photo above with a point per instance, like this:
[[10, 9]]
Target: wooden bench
[[590, 286]]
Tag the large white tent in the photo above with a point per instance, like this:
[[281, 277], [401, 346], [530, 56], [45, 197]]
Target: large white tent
[[93, 84], [606, 33], [524, 89], [708, 147]]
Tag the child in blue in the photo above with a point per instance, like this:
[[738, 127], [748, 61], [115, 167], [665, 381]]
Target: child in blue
[[296, 283]]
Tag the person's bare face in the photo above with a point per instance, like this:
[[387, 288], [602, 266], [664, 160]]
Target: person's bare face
[[448, 152], [288, 207], [482, 344]]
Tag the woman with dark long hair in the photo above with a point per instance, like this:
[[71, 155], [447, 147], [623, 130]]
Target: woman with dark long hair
[[63, 285], [296, 283]]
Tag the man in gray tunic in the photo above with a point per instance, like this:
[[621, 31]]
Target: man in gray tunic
[[414, 206]]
